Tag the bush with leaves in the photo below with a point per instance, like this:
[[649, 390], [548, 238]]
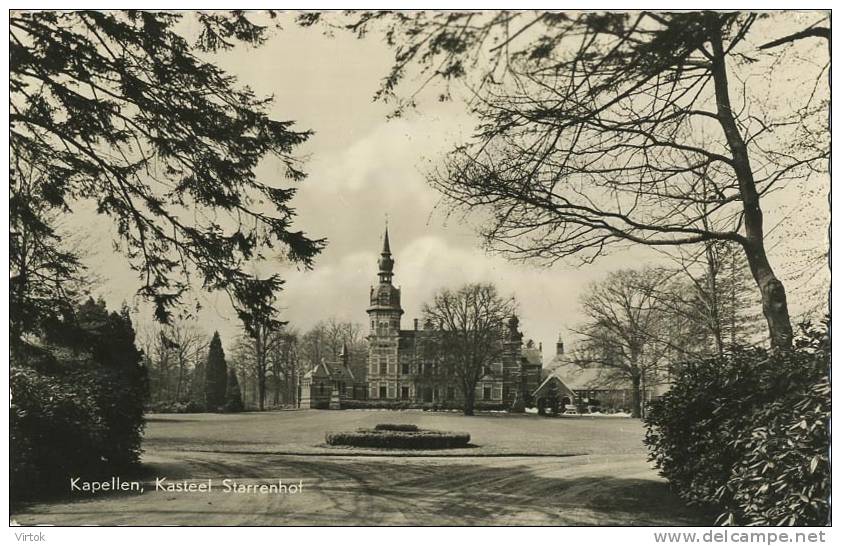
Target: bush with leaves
[[77, 401], [399, 439], [747, 433], [397, 426], [55, 426]]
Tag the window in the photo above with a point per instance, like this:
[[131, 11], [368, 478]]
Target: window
[[383, 369], [486, 395], [407, 369], [383, 392], [404, 393]]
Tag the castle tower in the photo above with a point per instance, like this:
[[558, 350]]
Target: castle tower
[[384, 314]]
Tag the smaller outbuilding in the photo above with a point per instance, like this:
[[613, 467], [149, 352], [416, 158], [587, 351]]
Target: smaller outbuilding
[[329, 384], [552, 395]]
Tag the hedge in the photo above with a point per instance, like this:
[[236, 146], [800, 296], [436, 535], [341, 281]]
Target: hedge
[[426, 406], [397, 427], [399, 439], [189, 406], [747, 433]]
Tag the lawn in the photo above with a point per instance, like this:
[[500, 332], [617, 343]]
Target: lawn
[[302, 432], [522, 470]]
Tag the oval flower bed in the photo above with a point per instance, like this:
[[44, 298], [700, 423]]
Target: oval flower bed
[[399, 437]]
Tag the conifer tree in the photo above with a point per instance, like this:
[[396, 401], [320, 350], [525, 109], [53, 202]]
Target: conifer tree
[[216, 372], [118, 108], [233, 395]]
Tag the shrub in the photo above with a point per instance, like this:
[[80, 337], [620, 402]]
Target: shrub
[[398, 439], [783, 476], [426, 406], [174, 407], [55, 427], [747, 432], [77, 402], [399, 427]]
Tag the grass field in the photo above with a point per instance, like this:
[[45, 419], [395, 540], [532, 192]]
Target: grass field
[[520, 470]]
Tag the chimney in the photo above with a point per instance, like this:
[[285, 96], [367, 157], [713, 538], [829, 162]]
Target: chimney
[[540, 347], [559, 346], [416, 324]]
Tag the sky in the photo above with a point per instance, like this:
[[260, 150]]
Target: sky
[[361, 169]]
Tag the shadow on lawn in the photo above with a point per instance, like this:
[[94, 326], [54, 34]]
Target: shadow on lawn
[[461, 494], [397, 491]]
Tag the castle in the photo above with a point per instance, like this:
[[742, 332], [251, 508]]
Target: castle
[[403, 365]]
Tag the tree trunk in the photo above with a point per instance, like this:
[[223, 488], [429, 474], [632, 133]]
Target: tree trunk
[[180, 383], [774, 304], [469, 403], [261, 390], [713, 270], [636, 405]]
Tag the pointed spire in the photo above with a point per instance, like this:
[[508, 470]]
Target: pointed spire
[[386, 263], [386, 246]]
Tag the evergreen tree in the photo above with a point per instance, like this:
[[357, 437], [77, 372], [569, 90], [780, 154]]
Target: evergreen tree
[[233, 395], [118, 108], [121, 387], [216, 375]]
